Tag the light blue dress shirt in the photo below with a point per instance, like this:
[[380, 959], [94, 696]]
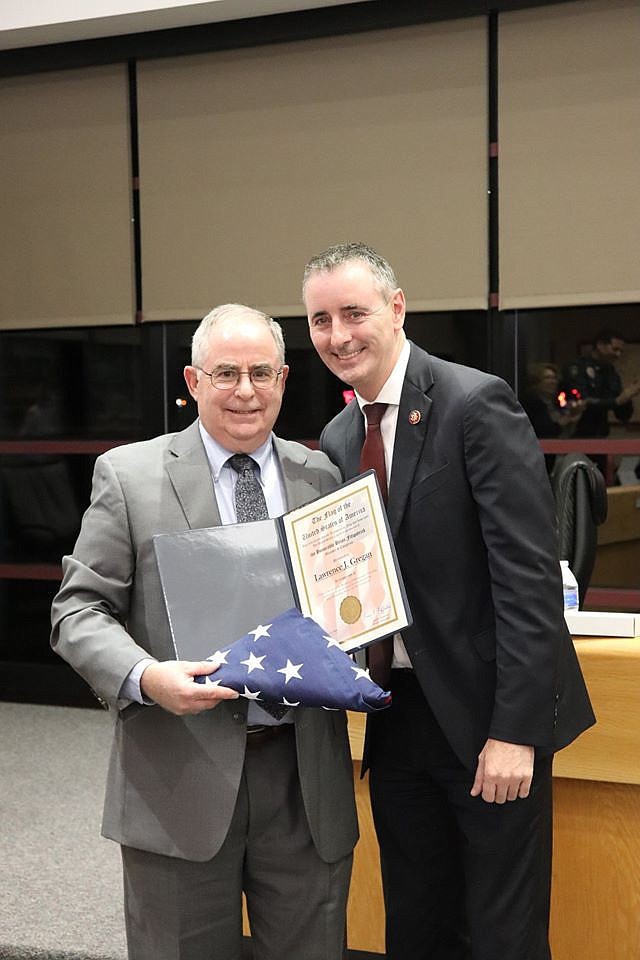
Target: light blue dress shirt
[[224, 479]]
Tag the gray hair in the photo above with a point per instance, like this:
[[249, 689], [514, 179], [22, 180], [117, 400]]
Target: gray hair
[[340, 253], [230, 312]]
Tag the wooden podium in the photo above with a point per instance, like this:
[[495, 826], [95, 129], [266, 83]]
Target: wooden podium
[[595, 911], [596, 873]]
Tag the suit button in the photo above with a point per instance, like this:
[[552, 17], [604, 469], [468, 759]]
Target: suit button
[[239, 717]]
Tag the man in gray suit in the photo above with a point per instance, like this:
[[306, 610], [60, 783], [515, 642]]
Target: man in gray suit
[[208, 795], [485, 683]]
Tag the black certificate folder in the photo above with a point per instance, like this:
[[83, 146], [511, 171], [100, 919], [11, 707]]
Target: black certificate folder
[[333, 559], [221, 582]]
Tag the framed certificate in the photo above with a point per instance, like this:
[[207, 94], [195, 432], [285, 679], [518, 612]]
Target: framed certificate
[[332, 558], [344, 566]]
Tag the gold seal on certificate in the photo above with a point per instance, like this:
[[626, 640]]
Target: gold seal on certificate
[[350, 609]]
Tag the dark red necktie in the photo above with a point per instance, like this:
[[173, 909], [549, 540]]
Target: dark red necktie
[[380, 654], [372, 454]]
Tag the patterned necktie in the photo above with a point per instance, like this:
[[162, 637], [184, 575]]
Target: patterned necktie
[[380, 654], [249, 498], [251, 505]]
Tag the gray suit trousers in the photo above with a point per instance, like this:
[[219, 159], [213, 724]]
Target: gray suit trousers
[[185, 910]]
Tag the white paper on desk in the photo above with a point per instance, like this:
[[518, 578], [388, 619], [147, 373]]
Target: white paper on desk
[[602, 623]]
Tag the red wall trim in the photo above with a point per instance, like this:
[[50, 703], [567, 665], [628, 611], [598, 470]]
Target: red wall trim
[[30, 571], [58, 446], [617, 598], [585, 445]]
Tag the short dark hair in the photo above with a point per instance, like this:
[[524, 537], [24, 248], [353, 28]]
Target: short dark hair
[[340, 253]]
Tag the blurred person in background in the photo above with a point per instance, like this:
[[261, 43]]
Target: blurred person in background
[[599, 384], [553, 413], [595, 377]]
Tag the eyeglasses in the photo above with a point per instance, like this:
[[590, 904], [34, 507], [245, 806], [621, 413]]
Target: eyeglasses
[[262, 376]]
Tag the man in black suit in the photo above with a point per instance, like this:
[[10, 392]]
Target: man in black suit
[[486, 684], [596, 379]]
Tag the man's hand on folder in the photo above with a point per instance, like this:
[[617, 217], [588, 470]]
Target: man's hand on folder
[[170, 684]]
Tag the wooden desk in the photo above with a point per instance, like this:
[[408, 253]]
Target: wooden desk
[[618, 555], [595, 911], [596, 872]]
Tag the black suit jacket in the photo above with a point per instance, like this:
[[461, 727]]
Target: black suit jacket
[[471, 513]]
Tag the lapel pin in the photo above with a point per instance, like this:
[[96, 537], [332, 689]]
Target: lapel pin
[[415, 417]]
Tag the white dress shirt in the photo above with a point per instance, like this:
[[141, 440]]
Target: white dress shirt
[[390, 394]]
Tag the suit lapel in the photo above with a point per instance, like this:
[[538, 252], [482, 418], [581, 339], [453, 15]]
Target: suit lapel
[[354, 438], [293, 461], [345, 448], [410, 435], [190, 476]]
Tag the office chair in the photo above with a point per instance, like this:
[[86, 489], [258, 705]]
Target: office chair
[[580, 495]]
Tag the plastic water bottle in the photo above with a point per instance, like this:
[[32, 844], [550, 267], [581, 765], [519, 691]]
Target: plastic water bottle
[[569, 587]]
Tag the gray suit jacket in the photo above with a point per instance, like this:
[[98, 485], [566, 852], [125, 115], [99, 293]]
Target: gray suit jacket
[[472, 517], [173, 781]]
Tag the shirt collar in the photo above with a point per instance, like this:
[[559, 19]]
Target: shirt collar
[[218, 455], [391, 390]]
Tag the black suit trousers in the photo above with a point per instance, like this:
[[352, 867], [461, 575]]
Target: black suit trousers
[[463, 879]]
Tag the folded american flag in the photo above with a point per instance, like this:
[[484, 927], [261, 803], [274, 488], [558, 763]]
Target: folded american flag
[[291, 661]]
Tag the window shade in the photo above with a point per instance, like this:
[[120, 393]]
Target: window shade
[[570, 154], [253, 160], [65, 246]]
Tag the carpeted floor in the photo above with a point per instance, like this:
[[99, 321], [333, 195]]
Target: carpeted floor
[[60, 882]]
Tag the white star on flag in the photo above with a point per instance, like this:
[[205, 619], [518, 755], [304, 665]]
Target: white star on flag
[[360, 673], [294, 653], [331, 642], [219, 657], [253, 663], [291, 671]]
